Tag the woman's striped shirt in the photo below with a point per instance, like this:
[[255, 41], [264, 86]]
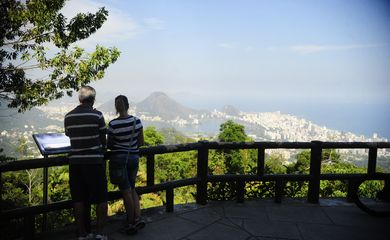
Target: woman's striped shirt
[[120, 133]]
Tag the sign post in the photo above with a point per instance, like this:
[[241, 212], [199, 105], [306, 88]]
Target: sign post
[[50, 144]]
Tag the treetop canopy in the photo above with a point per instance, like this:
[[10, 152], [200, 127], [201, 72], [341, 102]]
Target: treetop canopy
[[27, 28]]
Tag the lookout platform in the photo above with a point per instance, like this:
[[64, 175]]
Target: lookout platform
[[277, 218], [331, 219]]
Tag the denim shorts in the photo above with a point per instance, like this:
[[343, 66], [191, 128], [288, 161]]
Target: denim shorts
[[131, 166]]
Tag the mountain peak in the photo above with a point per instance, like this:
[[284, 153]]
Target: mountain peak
[[231, 110], [158, 94], [160, 104]]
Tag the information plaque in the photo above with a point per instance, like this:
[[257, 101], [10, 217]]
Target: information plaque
[[52, 143]]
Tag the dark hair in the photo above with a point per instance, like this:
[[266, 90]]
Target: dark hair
[[121, 104], [87, 95]]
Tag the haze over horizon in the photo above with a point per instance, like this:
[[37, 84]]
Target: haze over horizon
[[329, 116], [327, 60]]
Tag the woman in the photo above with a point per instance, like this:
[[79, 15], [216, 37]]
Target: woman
[[125, 136]]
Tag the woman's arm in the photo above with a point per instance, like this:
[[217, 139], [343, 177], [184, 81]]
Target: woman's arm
[[140, 139], [109, 140]]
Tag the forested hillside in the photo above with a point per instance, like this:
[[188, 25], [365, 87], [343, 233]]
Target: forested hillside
[[24, 188]]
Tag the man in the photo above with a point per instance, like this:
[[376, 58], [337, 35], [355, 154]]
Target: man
[[86, 129]]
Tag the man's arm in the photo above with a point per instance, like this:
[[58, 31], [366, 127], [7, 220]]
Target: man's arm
[[109, 137], [102, 131], [103, 139], [66, 129]]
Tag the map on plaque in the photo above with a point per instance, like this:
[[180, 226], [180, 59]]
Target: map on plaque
[[52, 143]]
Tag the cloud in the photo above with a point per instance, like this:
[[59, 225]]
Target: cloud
[[249, 49], [307, 49], [226, 45], [239, 47], [117, 28], [154, 23]]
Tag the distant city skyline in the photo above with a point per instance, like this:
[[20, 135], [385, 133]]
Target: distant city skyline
[[281, 53]]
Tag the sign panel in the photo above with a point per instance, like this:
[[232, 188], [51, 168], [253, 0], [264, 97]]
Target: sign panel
[[52, 143]]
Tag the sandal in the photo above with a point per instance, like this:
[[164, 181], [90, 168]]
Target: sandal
[[139, 223], [130, 229]]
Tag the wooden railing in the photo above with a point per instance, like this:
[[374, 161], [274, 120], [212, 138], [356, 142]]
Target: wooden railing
[[203, 178]]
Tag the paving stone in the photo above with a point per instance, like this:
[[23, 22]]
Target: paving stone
[[334, 202], [232, 222], [298, 214], [335, 232], [219, 231], [221, 203], [172, 228], [257, 220], [272, 229], [203, 216], [271, 238], [353, 216], [256, 203], [245, 212]]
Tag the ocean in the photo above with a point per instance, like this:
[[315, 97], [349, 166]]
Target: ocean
[[358, 118]]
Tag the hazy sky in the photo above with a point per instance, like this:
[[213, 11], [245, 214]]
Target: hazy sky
[[236, 51]]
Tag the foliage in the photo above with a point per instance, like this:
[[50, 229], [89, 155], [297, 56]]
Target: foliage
[[14, 192], [232, 162], [33, 176], [152, 137], [302, 166], [229, 161], [175, 166], [303, 163], [58, 184], [28, 29], [4, 158], [296, 189], [231, 132], [182, 165], [58, 189], [185, 194], [274, 164], [219, 191], [173, 136], [168, 167], [370, 188], [152, 199], [259, 190], [216, 163], [384, 163]]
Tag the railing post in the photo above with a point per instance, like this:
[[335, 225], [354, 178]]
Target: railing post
[[372, 156], [170, 199], [202, 168], [315, 172], [279, 185], [150, 170], [1, 191], [45, 195], [240, 190], [29, 227], [351, 192], [260, 161]]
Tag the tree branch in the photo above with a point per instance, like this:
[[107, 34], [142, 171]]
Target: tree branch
[[33, 66], [20, 40]]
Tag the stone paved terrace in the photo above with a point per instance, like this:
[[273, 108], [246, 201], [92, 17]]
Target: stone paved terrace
[[252, 220]]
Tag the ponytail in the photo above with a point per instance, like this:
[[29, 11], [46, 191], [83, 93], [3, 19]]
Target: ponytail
[[121, 104]]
